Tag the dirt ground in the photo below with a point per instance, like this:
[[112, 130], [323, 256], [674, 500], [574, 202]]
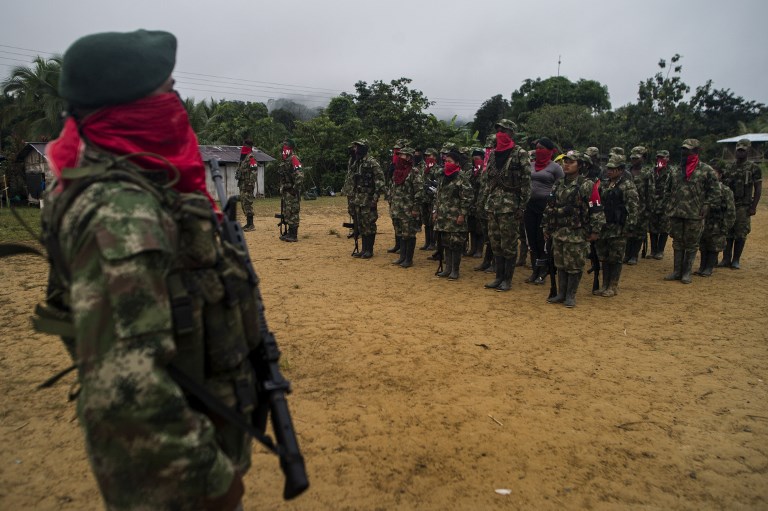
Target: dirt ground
[[413, 392]]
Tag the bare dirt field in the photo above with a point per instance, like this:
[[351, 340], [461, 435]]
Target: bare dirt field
[[413, 392]]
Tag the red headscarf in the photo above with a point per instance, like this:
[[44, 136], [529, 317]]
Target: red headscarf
[[451, 168], [690, 165], [543, 157], [156, 124], [503, 141], [402, 169]]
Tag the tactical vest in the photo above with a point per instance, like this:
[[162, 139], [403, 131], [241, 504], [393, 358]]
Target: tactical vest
[[214, 304], [614, 206], [741, 182], [508, 177]]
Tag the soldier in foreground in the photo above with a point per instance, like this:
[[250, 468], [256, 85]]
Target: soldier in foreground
[[246, 182], [407, 193], [454, 194], [745, 179], [128, 274], [717, 225], [658, 222], [290, 178], [367, 187], [641, 176]]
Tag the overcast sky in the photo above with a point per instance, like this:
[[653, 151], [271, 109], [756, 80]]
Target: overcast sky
[[459, 53]]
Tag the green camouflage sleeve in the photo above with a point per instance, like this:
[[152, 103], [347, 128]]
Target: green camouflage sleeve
[[146, 445], [631, 201], [596, 218], [525, 177], [378, 182], [712, 189], [418, 186], [467, 195], [730, 208]]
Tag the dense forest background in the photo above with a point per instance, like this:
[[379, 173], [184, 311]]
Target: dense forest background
[[575, 114]]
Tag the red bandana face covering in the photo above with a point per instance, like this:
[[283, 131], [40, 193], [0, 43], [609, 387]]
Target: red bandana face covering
[[661, 163], [451, 168], [543, 157], [156, 124], [478, 165], [402, 169], [690, 165], [429, 162], [503, 141]]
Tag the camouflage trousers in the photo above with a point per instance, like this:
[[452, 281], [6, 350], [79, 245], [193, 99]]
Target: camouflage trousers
[[453, 240], [712, 242], [246, 201], [743, 224], [685, 233], [406, 228], [474, 225], [570, 256], [503, 231], [611, 250], [366, 218], [658, 223], [291, 208], [638, 230]]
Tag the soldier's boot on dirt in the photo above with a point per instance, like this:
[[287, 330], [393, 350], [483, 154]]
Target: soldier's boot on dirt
[[633, 249], [427, 238], [534, 273], [660, 247], [573, 286], [479, 248], [710, 257], [399, 242], [499, 274], [726, 261], [432, 240], [436, 254], [738, 248], [677, 271], [456, 264], [542, 276], [562, 284], [522, 252], [688, 257], [472, 245], [492, 267], [606, 271], [654, 245], [396, 248], [703, 256], [249, 223], [368, 246], [447, 263], [486, 263], [360, 251], [614, 274], [293, 233], [410, 246], [510, 263]]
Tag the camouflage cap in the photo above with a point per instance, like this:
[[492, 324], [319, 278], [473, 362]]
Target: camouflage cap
[[573, 155], [464, 149], [592, 151], [361, 141], [407, 150], [616, 151], [402, 142], [431, 150], [506, 124], [490, 140], [478, 151], [663, 153], [690, 143], [743, 143], [615, 161], [447, 147], [638, 152]]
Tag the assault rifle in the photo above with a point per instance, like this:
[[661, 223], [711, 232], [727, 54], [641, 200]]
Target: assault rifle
[[282, 224], [549, 263], [272, 386], [595, 268], [354, 234]]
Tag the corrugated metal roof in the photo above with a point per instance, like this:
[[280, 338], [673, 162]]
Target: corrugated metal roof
[[230, 153], [753, 137]]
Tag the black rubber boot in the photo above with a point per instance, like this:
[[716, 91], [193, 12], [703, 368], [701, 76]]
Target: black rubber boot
[[677, 271], [688, 257], [479, 248], [726, 262], [396, 248], [660, 247], [710, 260], [427, 235], [455, 266], [654, 245], [368, 246], [510, 263], [470, 250], [562, 285], [486, 260], [541, 276], [573, 286], [606, 269], [447, 263], [432, 240], [499, 274], [399, 243], [703, 256], [738, 249], [534, 274], [410, 246], [633, 249], [293, 233], [249, 223]]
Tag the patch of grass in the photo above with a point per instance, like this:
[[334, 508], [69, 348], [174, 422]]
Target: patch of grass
[[12, 230]]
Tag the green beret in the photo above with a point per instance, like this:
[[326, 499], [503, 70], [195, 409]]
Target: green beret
[[111, 68]]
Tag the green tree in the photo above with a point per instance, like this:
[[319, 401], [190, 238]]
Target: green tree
[[489, 113], [569, 126], [232, 121], [284, 117], [558, 90], [721, 112]]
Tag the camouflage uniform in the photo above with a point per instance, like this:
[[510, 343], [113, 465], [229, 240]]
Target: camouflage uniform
[[620, 203], [744, 179], [658, 221], [122, 262], [643, 185], [506, 195], [290, 179], [246, 182], [480, 211], [454, 195], [407, 197], [367, 186], [688, 199], [718, 223], [430, 174]]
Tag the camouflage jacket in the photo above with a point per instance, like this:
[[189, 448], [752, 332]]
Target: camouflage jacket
[[568, 216], [686, 198], [454, 195], [430, 179], [658, 186], [507, 189], [290, 176], [367, 181], [645, 192], [721, 218], [741, 180], [246, 175], [476, 180], [116, 273], [408, 196], [620, 205]]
